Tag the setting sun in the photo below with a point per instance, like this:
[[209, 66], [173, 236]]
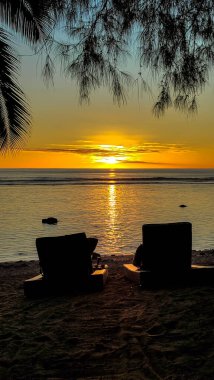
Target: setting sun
[[109, 160], [108, 154]]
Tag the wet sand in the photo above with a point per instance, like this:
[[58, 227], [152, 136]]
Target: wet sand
[[122, 332]]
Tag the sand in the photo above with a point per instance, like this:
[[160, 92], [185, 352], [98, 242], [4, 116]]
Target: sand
[[123, 332]]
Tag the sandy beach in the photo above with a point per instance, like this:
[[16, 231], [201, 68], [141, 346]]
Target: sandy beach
[[122, 332]]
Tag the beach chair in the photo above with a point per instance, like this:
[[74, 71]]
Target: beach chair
[[167, 256], [65, 266]]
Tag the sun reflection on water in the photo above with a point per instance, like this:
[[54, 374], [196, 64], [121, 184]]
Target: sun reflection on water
[[112, 175], [112, 200], [112, 210]]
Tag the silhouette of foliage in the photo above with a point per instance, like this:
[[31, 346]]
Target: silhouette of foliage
[[32, 20], [173, 39], [14, 116]]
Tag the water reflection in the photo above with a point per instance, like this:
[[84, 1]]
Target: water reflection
[[115, 238], [112, 211], [112, 198], [112, 202], [112, 175]]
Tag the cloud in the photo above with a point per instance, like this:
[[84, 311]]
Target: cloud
[[113, 150], [133, 162]]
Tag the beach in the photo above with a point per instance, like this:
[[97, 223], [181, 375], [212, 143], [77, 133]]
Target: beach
[[122, 332]]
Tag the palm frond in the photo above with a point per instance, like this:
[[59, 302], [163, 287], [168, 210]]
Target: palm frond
[[29, 18], [14, 114]]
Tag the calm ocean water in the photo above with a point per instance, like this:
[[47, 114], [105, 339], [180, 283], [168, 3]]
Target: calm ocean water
[[111, 205]]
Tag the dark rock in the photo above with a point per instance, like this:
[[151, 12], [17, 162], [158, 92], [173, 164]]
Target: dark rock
[[183, 206], [50, 220]]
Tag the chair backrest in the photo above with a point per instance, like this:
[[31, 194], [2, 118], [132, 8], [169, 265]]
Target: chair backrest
[[65, 257], [167, 246]]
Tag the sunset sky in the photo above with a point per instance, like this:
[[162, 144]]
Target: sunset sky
[[65, 134]]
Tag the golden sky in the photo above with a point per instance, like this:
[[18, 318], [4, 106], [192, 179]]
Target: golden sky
[[65, 134]]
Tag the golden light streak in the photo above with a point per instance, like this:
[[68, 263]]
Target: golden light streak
[[112, 203]]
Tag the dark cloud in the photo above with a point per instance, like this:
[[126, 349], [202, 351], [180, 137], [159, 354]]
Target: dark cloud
[[82, 150], [133, 162], [112, 150]]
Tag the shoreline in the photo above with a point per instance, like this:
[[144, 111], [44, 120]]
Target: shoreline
[[207, 254], [122, 332]]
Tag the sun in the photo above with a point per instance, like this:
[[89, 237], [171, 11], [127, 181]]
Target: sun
[[107, 155], [109, 160]]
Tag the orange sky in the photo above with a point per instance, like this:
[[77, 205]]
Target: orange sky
[[65, 134]]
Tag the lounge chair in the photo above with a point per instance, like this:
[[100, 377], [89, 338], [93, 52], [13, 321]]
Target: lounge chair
[[167, 256], [65, 266]]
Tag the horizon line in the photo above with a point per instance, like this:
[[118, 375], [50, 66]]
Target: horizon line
[[109, 168]]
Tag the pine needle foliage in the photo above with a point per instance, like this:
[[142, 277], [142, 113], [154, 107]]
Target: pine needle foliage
[[173, 39]]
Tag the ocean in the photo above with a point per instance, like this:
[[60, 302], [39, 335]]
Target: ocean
[[109, 204]]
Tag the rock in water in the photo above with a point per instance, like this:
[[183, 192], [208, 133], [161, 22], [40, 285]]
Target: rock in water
[[50, 220]]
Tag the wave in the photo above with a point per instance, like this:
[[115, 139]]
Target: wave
[[103, 180]]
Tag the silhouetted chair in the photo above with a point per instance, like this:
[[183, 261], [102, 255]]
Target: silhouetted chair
[[167, 247], [65, 265], [166, 256]]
